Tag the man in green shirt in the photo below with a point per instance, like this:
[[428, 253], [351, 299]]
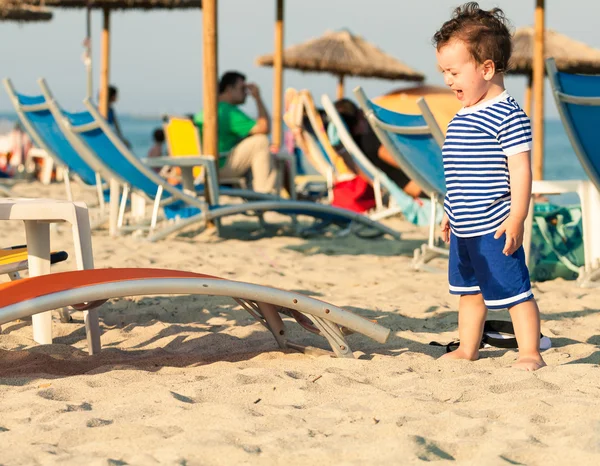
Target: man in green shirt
[[242, 139]]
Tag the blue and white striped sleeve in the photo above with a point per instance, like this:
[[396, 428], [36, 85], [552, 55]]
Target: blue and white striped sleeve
[[514, 134]]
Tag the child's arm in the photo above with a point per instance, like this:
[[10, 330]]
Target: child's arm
[[519, 168]]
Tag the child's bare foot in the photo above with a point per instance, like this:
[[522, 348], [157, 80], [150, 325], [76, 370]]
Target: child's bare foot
[[459, 353], [530, 363]]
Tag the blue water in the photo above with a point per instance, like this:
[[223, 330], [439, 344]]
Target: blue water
[[560, 162]]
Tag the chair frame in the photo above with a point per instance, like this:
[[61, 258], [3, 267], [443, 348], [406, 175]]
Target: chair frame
[[430, 250], [263, 303], [205, 215], [587, 190], [22, 111]]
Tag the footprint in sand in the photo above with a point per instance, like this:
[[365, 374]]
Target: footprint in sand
[[182, 398], [82, 407], [539, 419], [403, 420], [112, 462], [509, 461], [246, 379], [97, 422], [527, 384], [54, 394], [428, 451], [252, 449]]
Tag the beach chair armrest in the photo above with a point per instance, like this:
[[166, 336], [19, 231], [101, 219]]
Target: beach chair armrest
[[555, 186], [207, 162], [187, 161]]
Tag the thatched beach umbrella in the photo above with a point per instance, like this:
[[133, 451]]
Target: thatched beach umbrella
[[343, 54], [107, 6], [571, 55], [15, 10]]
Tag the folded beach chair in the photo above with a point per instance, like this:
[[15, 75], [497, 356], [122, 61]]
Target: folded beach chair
[[415, 142], [338, 166], [183, 140], [93, 138], [416, 212], [34, 113], [29, 296], [578, 101], [306, 138]]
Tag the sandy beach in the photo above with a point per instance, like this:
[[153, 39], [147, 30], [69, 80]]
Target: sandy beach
[[196, 381]]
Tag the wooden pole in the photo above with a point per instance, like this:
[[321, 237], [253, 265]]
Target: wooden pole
[[105, 64], [538, 92], [88, 54], [528, 95], [340, 87], [115, 189], [278, 77], [210, 135]]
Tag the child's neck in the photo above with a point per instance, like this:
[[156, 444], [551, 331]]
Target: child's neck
[[494, 90]]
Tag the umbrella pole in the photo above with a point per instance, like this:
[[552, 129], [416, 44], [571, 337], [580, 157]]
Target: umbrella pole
[[340, 87], [210, 126], [538, 92], [528, 95], [278, 78], [105, 63], [88, 53]]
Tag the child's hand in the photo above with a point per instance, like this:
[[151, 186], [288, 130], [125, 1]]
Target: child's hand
[[514, 229], [446, 228]]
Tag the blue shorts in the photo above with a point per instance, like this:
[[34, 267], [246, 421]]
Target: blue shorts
[[477, 265]]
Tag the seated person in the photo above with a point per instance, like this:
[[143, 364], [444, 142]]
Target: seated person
[[157, 149], [367, 141], [243, 139], [111, 118]]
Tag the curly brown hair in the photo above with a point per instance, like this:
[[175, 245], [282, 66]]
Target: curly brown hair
[[486, 33]]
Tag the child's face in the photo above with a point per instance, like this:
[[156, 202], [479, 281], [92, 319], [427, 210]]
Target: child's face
[[468, 80]]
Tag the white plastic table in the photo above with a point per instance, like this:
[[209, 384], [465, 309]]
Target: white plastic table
[[37, 214]]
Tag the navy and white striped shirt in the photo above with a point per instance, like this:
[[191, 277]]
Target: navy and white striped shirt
[[478, 143]]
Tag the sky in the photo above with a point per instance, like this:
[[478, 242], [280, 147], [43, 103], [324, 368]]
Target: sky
[[156, 56]]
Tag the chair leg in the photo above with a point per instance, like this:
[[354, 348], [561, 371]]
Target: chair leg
[[65, 315], [100, 193], [334, 336], [274, 323], [123, 206], [155, 208], [67, 182]]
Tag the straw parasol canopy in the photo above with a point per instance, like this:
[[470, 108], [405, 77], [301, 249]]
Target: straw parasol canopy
[[120, 4], [15, 10], [571, 55], [343, 54]]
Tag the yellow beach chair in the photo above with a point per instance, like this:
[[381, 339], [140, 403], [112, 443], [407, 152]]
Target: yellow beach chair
[[183, 140]]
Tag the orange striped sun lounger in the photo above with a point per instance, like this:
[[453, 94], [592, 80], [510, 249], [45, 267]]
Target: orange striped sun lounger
[[89, 289]]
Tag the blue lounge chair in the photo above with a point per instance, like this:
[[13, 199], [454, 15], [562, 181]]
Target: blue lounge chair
[[415, 212], [34, 113], [414, 141], [578, 101], [93, 138]]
